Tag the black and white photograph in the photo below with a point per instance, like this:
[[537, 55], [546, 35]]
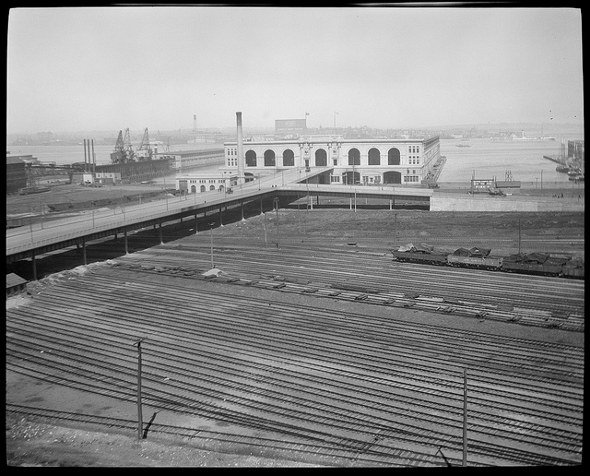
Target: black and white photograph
[[265, 236]]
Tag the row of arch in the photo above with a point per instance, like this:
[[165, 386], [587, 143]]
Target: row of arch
[[321, 157], [204, 188]]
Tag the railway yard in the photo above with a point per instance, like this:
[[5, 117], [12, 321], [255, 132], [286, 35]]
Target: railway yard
[[293, 337]]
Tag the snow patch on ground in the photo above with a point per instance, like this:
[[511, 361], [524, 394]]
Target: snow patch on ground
[[17, 301], [212, 272]]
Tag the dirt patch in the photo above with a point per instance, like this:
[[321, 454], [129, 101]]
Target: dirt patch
[[34, 443]]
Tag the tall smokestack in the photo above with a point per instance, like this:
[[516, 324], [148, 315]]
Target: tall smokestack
[[88, 167], [85, 155], [195, 127], [241, 178], [93, 162]]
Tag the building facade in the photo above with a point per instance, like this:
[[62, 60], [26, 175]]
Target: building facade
[[187, 159], [366, 161], [203, 183], [16, 174]]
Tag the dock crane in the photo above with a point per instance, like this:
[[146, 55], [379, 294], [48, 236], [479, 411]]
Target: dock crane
[[123, 152], [145, 150]]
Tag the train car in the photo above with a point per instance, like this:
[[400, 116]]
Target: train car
[[488, 262], [573, 269], [437, 259], [531, 268], [533, 263]]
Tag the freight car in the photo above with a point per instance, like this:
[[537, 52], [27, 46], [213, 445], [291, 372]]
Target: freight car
[[534, 263], [479, 258], [574, 270], [493, 264], [420, 257]]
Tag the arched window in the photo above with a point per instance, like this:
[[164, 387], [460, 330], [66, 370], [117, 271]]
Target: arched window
[[269, 158], [354, 157], [211, 187], [374, 157], [193, 189], [288, 158], [203, 188], [250, 158], [221, 188], [321, 158], [393, 156]]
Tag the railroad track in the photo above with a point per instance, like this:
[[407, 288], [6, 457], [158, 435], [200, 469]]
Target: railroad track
[[539, 301], [306, 371]]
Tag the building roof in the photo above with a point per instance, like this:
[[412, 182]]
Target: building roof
[[13, 280], [186, 153], [310, 140]]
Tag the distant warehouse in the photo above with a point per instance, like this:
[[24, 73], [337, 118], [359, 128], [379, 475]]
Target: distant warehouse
[[16, 174], [188, 159]]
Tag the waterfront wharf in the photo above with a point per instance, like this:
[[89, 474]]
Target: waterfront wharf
[[558, 159]]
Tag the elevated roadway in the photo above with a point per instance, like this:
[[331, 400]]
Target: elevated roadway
[[40, 238]]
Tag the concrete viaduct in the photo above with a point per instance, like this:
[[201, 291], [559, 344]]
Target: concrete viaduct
[[30, 242]]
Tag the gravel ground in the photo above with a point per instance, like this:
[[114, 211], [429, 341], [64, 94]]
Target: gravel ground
[[32, 442]]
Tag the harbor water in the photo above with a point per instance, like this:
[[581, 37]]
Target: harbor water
[[480, 157], [488, 159]]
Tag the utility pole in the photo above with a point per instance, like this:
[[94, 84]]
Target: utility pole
[[139, 412], [464, 417], [519, 236], [211, 231], [277, 210]]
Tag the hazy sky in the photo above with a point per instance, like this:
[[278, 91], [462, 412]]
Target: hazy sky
[[75, 69]]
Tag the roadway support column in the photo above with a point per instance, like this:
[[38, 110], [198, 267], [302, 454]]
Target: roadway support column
[[34, 263], [220, 215], [126, 247], [160, 232], [196, 225], [350, 203], [390, 204], [242, 209], [261, 205], [84, 251]]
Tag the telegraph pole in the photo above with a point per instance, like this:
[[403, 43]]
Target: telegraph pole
[[277, 210], [139, 412], [464, 417], [211, 231], [519, 236]]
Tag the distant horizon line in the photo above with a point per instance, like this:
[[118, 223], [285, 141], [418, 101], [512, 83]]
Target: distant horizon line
[[212, 128]]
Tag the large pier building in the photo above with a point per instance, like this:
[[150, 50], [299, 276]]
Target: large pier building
[[369, 161]]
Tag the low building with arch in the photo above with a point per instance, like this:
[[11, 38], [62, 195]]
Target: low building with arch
[[366, 161], [203, 183]]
